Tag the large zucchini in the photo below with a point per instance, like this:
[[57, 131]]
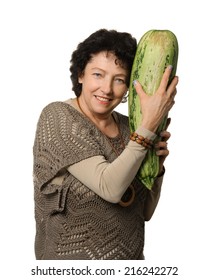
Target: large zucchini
[[155, 51]]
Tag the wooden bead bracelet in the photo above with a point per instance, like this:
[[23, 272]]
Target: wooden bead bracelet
[[145, 142]]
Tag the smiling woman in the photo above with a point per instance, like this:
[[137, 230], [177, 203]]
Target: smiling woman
[[103, 88], [88, 202]]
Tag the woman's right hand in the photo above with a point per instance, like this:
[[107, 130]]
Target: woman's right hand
[[154, 108]]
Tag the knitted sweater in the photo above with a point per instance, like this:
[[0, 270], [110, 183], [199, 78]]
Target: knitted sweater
[[72, 221]]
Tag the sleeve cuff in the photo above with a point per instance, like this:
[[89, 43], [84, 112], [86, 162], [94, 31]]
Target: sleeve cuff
[[146, 133]]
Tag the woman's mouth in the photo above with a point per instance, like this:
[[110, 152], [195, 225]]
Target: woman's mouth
[[103, 99]]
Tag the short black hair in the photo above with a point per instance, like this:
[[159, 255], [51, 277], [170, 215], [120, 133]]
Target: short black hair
[[121, 44]]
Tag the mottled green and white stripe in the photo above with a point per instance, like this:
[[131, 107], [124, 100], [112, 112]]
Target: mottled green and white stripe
[[155, 51]]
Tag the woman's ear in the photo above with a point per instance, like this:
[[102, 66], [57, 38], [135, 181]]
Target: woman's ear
[[80, 78]]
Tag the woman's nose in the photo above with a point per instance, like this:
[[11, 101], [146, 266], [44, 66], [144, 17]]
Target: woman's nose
[[106, 86]]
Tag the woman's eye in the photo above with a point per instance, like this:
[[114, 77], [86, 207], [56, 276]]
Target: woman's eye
[[97, 75], [120, 81]]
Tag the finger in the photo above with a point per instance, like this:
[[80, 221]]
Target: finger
[[165, 135], [138, 88], [161, 145], [171, 90], [165, 78], [162, 153], [174, 93]]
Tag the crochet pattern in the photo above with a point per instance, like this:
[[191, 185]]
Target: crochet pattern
[[72, 222]]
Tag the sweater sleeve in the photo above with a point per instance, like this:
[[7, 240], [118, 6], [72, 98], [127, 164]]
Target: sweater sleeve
[[63, 137], [110, 180]]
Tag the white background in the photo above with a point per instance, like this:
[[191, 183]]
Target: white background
[[36, 42]]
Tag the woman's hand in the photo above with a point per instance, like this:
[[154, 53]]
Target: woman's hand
[[157, 106], [162, 148]]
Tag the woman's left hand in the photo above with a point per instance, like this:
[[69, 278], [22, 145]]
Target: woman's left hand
[[162, 148]]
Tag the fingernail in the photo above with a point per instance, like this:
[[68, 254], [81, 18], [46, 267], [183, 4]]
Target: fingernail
[[170, 67], [135, 82]]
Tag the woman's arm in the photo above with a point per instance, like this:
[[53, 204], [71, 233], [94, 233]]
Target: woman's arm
[[110, 180]]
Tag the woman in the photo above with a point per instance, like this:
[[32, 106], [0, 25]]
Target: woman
[[88, 202]]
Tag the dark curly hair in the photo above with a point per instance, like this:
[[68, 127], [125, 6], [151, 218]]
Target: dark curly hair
[[121, 44]]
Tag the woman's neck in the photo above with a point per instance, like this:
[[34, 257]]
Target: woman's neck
[[105, 123]]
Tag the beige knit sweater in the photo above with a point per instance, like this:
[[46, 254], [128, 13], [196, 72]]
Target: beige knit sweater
[[72, 220]]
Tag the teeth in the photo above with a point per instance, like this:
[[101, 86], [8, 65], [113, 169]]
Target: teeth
[[102, 98]]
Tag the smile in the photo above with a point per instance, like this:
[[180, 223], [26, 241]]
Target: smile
[[103, 99]]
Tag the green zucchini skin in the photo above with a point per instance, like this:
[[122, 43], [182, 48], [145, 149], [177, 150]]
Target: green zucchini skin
[[155, 51]]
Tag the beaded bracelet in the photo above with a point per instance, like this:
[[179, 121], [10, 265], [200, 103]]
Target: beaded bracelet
[[145, 142]]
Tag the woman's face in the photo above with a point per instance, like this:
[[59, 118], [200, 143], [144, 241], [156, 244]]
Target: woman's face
[[103, 84]]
